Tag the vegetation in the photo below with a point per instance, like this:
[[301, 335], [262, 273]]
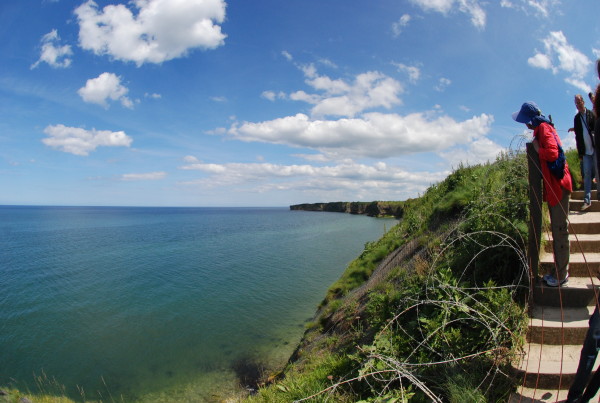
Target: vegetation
[[46, 390], [433, 311]]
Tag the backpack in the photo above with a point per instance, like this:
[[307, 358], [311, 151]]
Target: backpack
[[557, 167]]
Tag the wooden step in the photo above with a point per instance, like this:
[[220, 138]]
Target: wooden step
[[551, 325], [578, 292]]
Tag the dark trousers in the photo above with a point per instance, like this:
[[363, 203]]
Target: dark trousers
[[589, 352]]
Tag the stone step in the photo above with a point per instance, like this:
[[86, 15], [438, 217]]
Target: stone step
[[551, 325], [532, 395], [577, 292], [579, 243], [580, 264], [546, 366], [584, 222], [578, 194], [560, 317], [575, 205]]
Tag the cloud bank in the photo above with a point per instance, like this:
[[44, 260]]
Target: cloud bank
[[374, 135], [361, 180]]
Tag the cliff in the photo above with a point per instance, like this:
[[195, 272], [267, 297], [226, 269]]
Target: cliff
[[372, 209]]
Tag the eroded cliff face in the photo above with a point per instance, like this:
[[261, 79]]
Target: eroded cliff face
[[372, 209]]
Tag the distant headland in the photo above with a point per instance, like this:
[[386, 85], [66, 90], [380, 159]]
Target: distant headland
[[372, 209]]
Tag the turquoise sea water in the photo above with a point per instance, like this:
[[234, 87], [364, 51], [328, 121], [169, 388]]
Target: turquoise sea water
[[158, 304]]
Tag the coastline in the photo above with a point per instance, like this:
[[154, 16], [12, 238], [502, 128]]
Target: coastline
[[372, 209]]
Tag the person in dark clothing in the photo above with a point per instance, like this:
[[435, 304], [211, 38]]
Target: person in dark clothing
[[584, 123], [579, 392], [589, 352], [597, 114]]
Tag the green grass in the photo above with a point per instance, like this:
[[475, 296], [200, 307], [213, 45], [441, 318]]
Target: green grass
[[574, 169]]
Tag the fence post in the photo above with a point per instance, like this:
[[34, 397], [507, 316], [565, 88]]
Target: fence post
[[535, 211]]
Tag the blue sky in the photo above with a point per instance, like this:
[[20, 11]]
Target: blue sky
[[270, 102]]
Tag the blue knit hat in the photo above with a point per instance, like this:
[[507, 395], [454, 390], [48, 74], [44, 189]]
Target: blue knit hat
[[528, 111]]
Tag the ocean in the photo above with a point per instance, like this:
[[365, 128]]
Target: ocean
[[162, 304]]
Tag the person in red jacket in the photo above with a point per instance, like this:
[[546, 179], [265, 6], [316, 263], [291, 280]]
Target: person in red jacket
[[557, 191]]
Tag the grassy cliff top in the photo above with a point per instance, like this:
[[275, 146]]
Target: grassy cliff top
[[434, 310]]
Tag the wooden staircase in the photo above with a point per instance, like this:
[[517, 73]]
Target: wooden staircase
[[559, 318]]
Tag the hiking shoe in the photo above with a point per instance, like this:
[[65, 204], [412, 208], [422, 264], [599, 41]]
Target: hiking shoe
[[551, 281], [586, 206]]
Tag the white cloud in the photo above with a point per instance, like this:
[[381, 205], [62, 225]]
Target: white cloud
[[471, 7], [150, 176], [568, 142], [539, 7], [190, 159], [579, 83], [312, 157], [479, 151], [161, 30], [559, 56], [106, 86], [79, 141], [540, 61], [443, 84], [328, 63], [272, 95], [414, 73], [374, 135], [339, 98], [52, 53], [287, 55], [399, 25]]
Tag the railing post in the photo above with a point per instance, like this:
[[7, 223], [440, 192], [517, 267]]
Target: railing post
[[535, 210]]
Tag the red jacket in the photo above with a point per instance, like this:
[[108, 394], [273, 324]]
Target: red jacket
[[548, 151]]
